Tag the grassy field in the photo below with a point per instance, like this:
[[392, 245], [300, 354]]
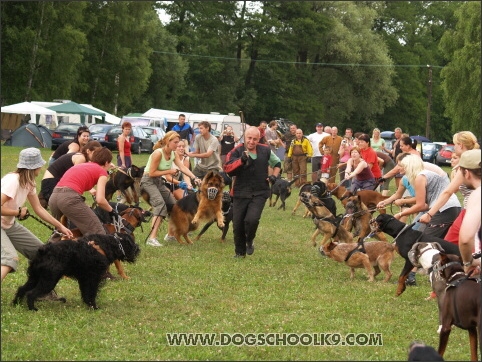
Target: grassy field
[[285, 287]]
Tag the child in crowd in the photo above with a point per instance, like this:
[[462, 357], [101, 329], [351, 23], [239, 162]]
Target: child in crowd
[[326, 164]]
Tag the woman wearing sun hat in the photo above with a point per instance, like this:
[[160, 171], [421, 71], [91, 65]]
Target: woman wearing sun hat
[[17, 187]]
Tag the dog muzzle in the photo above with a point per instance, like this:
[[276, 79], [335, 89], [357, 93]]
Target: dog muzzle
[[212, 193]]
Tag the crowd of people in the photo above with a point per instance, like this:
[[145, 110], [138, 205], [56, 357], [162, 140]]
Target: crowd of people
[[362, 162]]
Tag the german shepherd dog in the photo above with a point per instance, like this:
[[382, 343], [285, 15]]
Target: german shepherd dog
[[405, 238], [324, 220], [124, 181], [461, 305], [85, 260], [228, 217], [368, 197], [317, 188], [359, 218], [205, 204]]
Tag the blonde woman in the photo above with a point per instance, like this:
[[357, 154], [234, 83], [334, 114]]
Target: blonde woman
[[180, 184], [463, 141], [376, 142], [428, 186], [159, 165]]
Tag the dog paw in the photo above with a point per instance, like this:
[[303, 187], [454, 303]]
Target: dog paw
[[221, 225], [194, 221]]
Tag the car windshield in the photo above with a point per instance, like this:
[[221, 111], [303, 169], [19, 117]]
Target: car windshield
[[68, 127], [149, 131], [428, 147], [99, 128], [116, 130]]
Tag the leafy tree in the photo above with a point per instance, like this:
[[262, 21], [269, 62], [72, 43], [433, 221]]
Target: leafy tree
[[461, 77]]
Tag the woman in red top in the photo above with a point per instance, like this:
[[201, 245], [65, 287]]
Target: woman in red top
[[67, 197], [124, 159], [369, 155], [359, 172]]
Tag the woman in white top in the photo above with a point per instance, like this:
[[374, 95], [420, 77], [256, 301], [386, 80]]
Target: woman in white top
[[17, 187], [177, 183]]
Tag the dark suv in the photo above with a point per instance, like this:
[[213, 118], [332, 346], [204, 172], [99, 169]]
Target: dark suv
[[139, 140]]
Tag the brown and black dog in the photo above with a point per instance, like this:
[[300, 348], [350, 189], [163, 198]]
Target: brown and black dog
[[324, 220], [306, 187], [376, 254], [358, 217], [368, 197], [203, 205], [125, 182], [461, 305], [228, 217]]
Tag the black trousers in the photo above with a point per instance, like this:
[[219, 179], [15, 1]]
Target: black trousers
[[246, 216]]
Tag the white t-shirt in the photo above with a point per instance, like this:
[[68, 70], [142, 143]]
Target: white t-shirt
[[17, 196], [315, 139]]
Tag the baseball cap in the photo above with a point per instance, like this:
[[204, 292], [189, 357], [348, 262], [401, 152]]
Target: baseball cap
[[30, 158], [319, 125], [470, 159]]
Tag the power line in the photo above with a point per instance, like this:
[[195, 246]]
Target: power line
[[287, 62]]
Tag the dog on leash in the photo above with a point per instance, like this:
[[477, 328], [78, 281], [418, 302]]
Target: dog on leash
[[281, 189], [368, 197], [205, 204], [85, 259], [359, 218], [317, 188], [131, 218], [376, 254], [306, 187], [461, 305], [227, 209], [427, 256], [124, 181], [405, 237], [324, 220]]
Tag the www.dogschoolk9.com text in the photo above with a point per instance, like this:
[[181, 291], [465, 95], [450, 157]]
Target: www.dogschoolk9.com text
[[274, 339]]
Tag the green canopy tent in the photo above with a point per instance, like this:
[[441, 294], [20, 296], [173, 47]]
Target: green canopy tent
[[75, 108]]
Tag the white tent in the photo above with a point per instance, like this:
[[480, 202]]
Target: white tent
[[27, 108], [73, 118]]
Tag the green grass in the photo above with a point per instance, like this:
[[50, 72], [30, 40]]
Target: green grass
[[285, 287]]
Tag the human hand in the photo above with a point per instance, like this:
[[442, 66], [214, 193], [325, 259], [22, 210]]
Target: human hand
[[182, 185], [244, 157], [67, 232], [113, 214], [425, 218]]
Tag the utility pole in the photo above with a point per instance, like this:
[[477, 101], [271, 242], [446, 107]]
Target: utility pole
[[429, 100]]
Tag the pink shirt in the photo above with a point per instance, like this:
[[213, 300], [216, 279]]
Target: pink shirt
[[82, 177], [17, 196]]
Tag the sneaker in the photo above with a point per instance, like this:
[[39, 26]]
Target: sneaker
[[169, 238], [411, 282], [153, 242], [239, 256], [250, 249]]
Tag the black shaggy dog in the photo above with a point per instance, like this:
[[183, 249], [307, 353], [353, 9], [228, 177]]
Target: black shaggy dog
[[227, 209], [85, 259]]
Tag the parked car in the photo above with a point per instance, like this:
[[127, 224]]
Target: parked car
[[156, 133], [64, 132], [140, 141], [98, 131], [429, 151], [444, 155]]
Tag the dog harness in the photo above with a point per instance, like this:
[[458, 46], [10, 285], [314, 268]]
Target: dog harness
[[360, 246]]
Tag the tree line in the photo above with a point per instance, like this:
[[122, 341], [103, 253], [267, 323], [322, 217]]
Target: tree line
[[358, 64]]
